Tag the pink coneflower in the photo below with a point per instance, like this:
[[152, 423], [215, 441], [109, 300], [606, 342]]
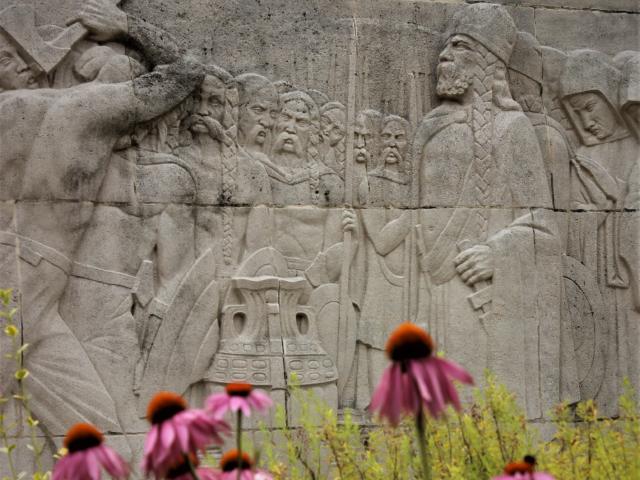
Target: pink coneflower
[[416, 378], [88, 456], [238, 397], [234, 462], [177, 431], [525, 470], [181, 470]]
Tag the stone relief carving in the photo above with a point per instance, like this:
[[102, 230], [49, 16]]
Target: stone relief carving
[[168, 225]]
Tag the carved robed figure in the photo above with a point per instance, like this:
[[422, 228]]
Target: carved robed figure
[[488, 288]]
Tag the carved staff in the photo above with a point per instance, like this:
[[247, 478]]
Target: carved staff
[[346, 328]]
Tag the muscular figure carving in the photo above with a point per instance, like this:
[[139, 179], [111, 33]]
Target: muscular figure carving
[[60, 143]]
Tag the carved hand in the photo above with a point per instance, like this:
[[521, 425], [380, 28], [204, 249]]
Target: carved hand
[[103, 19], [475, 264]]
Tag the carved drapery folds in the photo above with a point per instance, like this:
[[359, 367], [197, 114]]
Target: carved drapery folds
[[168, 223]]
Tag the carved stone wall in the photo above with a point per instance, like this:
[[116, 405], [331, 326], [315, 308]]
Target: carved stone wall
[[204, 191]]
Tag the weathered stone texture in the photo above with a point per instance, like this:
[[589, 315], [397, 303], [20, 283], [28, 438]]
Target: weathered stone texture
[[207, 191]]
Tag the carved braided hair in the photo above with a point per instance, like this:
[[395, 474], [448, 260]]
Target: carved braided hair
[[229, 160], [313, 167], [491, 90], [229, 172]]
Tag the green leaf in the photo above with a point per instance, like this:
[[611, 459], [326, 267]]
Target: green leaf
[[11, 331], [21, 374]]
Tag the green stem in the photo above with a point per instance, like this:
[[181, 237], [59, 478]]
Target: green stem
[[6, 444], [24, 399], [422, 444], [239, 443], [192, 468]]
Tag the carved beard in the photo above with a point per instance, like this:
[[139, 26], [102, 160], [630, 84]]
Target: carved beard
[[453, 81], [288, 143], [394, 153], [362, 155]]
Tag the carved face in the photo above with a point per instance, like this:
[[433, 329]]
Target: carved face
[[332, 123], [15, 74], [394, 142], [293, 128], [362, 141], [256, 118], [455, 66], [209, 104], [596, 117]]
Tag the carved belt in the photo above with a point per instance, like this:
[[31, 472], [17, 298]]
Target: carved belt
[[33, 252]]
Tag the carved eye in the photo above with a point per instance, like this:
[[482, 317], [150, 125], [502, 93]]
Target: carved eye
[[386, 136], [459, 44], [258, 109]]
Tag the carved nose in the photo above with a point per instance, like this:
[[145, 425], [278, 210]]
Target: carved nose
[[445, 55], [203, 110], [265, 121]]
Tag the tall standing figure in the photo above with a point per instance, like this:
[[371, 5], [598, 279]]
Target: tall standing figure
[[486, 244]]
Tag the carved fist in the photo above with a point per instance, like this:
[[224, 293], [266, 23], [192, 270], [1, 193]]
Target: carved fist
[[103, 19], [475, 264], [349, 221]]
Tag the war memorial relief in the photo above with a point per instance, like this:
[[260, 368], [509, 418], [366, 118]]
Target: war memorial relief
[[195, 193]]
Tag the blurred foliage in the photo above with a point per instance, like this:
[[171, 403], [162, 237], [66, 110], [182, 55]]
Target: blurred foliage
[[472, 445], [13, 389]]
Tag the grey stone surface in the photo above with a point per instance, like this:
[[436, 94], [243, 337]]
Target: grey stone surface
[[629, 6], [199, 192]]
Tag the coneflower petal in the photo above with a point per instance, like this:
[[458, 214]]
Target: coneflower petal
[[167, 434], [93, 466], [455, 371], [432, 378], [417, 374]]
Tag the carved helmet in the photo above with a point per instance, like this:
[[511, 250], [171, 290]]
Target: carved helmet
[[590, 71], [526, 58], [489, 24]]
